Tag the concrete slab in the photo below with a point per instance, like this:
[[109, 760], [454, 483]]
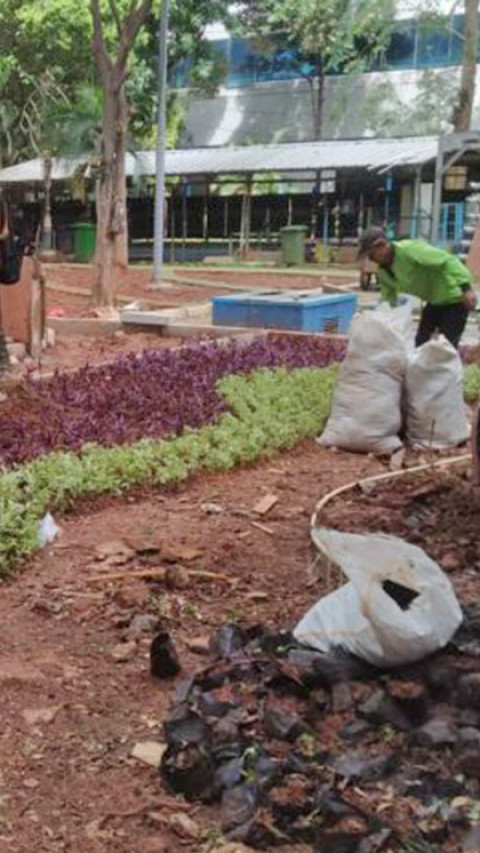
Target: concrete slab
[[90, 327], [160, 317]]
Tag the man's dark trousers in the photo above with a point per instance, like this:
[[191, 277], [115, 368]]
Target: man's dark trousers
[[450, 320]]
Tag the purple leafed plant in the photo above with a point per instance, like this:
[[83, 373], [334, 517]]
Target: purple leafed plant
[[156, 393]]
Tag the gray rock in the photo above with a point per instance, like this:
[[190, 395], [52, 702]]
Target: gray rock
[[342, 699], [469, 736], [284, 725], [364, 768], [468, 691], [436, 733], [471, 843], [379, 708], [141, 624], [441, 680], [469, 763]]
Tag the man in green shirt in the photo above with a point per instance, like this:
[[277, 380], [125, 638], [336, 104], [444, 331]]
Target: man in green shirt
[[436, 276]]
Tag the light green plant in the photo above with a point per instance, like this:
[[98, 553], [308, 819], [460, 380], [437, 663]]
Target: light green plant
[[471, 383]]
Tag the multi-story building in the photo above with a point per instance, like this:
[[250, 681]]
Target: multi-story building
[[408, 91]]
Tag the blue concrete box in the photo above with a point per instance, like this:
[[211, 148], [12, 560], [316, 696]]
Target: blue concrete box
[[301, 311]]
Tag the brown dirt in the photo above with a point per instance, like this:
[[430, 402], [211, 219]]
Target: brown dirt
[[439, 511], [273, 280], [71, 784], [135, 282], [75, 351], [68, 781], [132, 282]]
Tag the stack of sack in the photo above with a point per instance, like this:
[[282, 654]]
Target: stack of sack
[[385, 384]]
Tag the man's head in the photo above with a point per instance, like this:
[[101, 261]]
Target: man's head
[[374, 245]]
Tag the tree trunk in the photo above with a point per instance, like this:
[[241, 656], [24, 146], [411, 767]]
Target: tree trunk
[[462, 114], [317, 91], [112, 232], [121, 236]]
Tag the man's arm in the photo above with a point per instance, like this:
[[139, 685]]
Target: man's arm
[[463, 277], [388, 290]]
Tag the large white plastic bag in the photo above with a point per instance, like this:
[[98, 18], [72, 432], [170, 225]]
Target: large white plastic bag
[[436, 412], [366, 409], [399, 318], [363, 619]]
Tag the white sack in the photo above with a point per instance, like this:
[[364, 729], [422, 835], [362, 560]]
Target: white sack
[[362, 618], [366, 409], [436, 413], [48, 530]]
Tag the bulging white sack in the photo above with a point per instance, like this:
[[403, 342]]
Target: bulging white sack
[[365, 618], [436, 414], [366, 409]]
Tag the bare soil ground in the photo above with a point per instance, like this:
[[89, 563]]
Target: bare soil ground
[[135, 282], [72, 712]]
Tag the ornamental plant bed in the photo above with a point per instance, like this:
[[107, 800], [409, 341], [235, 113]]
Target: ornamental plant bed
[[269, 410], [159, 392]]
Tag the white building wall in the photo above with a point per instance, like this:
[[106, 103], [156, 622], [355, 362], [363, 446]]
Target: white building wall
[[282, 111]]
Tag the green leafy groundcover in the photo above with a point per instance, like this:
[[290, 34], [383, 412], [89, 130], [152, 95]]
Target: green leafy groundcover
[[270, 411], [471, 382]]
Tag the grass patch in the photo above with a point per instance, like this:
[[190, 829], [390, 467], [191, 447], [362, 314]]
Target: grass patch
[[471, 382]]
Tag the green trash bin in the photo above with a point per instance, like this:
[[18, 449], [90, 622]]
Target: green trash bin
[[293, 245], [84, 239]]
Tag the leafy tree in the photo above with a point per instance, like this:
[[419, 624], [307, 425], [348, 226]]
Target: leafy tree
[[462, 113], [385, 114], [318, 37]]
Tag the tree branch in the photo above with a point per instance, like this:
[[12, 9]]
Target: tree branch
[[133, 22], [116, 16], [102, 57]]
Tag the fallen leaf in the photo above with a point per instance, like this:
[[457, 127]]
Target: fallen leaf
[[263, 528], [397, 460], [116, 552], [211, 508], [184, 826], [257, 595], [180, 553], [199, 645], [265, 504], [149, 752], [123, 652], [32, 716]]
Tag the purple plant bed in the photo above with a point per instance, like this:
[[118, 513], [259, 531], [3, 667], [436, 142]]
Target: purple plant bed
[[159, 393]]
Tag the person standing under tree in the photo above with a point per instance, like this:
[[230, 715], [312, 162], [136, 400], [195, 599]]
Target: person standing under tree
[[437, 277]]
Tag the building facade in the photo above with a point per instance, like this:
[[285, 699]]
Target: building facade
[[263, 99]]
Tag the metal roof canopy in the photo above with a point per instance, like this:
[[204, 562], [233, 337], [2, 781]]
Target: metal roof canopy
[[375, 155]]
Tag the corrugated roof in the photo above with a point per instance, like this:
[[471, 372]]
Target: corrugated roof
[[371, 154]]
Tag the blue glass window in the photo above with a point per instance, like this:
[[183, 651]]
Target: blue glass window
[[414, 44], [433, 46], [400, 52], [243, 62]]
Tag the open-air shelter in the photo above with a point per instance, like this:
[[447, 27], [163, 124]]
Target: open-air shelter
[[243, 194]]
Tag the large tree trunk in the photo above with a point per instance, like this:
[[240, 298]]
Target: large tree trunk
[[112, 232], [462, 114]]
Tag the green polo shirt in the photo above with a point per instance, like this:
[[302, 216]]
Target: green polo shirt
[[434, 275]]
